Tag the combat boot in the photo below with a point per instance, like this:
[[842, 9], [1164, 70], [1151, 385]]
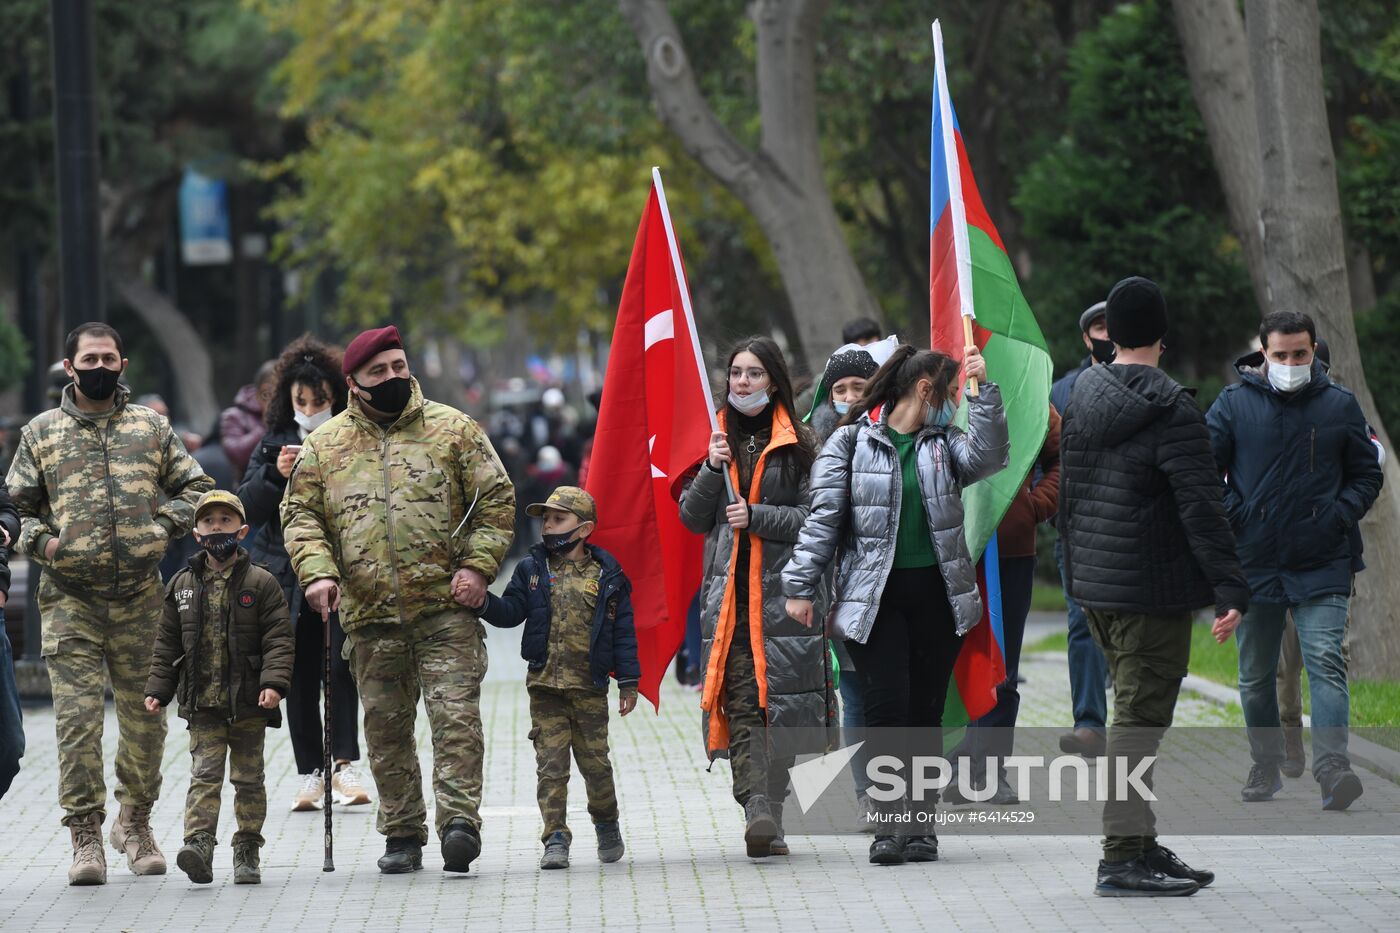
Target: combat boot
[[759, 828], [89, 861], [245, 863], [196, 858], [402, 855], [132, 835], [779, 844]]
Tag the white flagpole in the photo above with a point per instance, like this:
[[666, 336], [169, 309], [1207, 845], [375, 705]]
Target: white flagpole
[[688, 311], [962, 250]]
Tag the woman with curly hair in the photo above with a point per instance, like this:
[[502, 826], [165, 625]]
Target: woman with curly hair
[[309, 391]]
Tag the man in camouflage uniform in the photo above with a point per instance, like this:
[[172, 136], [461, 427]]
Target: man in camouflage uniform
[[102, 486], [398, 506], [576, 605]]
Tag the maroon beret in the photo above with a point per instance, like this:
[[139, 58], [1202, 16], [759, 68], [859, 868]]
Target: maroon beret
[[371, 342]]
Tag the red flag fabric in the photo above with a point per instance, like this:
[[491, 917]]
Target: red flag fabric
[[653, 424]]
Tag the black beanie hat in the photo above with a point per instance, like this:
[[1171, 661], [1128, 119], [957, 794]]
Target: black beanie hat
[[850, 363], [1137, 313]]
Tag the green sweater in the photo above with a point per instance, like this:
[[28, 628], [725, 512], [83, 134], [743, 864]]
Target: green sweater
[[912, 546]]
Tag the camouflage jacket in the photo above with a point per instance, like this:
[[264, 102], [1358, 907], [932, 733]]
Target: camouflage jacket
[[257, 653], [114, 489], [377, 509]]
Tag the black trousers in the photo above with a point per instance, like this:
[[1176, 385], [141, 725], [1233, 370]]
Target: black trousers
[[905, 666], [304, 700], [994, 733]]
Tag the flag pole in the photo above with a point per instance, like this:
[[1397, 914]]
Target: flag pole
[[689, 313], [962, 250]]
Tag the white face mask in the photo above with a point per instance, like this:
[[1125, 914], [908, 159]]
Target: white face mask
[[749, 404], [841, 407], [309, 423], [1289, 378]]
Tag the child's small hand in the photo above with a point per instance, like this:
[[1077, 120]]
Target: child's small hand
[[269, 698], [627, 701], [152, 705]]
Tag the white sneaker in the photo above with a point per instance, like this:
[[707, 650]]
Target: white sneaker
[[312, 794], [348, 789]]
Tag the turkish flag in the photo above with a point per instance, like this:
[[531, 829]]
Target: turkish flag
[[653, 426]]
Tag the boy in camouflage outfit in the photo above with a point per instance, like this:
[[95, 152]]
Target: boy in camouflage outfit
[[225, 649], [576, 604]]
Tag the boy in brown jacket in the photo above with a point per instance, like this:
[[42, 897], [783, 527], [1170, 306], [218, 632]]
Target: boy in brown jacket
[[225, 649]]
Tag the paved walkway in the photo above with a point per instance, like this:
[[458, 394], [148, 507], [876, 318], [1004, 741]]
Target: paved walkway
[[685, 868]]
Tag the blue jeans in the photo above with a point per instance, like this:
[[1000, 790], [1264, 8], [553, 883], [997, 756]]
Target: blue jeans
[[1087, 668], [1321, 623], [11, 725], [853, 717]]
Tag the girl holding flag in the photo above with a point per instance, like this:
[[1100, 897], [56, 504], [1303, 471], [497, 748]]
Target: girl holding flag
[[887, 513], [761, 670]]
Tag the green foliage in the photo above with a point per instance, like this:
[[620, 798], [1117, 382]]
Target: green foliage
[[1131, 189]]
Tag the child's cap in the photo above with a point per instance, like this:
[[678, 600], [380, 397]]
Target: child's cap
[[220, 497], [567, 499]]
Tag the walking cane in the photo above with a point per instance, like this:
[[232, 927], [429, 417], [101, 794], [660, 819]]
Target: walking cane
[[326, 618]]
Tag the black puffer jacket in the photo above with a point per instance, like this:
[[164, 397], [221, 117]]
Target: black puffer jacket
[[1141, 510], [261, 492]]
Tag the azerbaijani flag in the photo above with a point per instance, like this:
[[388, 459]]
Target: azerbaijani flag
[[971, 277]]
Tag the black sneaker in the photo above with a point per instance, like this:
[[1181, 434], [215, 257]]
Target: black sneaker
[[1295, 757], [921, 848], [1135, 879], [1340, 787], [402, 856], [1006, 794], [887, 850], [610, 846], [1264, 781], [1165, 861], [461, 844]]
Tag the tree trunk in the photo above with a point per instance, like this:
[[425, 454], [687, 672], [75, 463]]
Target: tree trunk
[[1217, 60], [1306, 269], [782, 182], [184, 348]]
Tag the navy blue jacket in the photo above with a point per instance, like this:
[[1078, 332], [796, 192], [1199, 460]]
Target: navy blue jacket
[[614, 640], [1063, 386], [1300, 471]]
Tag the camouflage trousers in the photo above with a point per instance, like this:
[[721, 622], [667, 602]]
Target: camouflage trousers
[[577, 721], [85, 640], [212, 740], [442, 658], [751, 762]]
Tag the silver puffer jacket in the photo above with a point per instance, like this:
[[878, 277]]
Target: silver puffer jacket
[[856, 489]]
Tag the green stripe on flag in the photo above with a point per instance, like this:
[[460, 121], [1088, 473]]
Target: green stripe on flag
[[1019, 363]]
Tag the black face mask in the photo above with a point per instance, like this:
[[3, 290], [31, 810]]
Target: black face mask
[[390, 396], [561, 543], [98, 383], [1103, 350], [221, 545]]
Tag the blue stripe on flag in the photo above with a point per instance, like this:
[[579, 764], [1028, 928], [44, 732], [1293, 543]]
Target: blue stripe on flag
[[991, 568]]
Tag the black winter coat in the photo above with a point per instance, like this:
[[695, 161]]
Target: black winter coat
[[9, 518], [1300, 473], [261, 492], [260, 645], [1141, 514], [613, 643]]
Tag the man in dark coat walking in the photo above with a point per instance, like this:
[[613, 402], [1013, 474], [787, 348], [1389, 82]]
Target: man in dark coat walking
[[1300, 472], [1147, 542]]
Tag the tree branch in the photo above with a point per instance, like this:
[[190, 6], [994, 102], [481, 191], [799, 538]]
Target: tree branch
[[686, 113]]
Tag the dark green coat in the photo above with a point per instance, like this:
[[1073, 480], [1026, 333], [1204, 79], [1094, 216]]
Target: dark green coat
[[260, 643]]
